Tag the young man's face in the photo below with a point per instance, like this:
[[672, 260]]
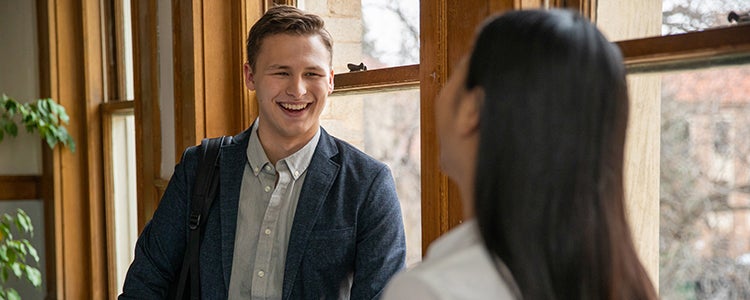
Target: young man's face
[[292, 80]]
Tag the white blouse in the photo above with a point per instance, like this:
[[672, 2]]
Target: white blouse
[[457, 266]]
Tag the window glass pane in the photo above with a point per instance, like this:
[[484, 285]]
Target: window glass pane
[[385, 125], [377, 33], [127, 47], [633, 19], [705, 184], [680, 16], [124, 211]]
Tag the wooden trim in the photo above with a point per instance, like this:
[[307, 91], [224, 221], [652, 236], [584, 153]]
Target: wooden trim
[[208, 69], [188, 48], [447, 29], [109, 192], [20, 187], [111, 107], [726, 45], [110, 46], [146, 108], [222, 84], [249, 12], [271, 3], [378, 78], [71, 39], [587, 8], [92, 176]]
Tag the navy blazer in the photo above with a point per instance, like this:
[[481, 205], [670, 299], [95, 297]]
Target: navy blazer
[[346, 241]]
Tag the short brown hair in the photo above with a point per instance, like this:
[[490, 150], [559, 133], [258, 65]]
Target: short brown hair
[[285, 19]]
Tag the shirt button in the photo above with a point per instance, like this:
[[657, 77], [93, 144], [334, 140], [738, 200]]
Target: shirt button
[[261, 274], [268, 168], [267, 189], [296, 173], [268, 231], [256, 169]]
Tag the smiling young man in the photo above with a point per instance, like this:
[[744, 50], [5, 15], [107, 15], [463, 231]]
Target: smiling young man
[[300, 214]]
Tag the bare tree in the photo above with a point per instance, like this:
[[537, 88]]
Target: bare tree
[[400, 20], [704, 152]]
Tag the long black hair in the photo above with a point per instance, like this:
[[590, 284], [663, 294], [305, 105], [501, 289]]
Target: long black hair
[[549, 193]]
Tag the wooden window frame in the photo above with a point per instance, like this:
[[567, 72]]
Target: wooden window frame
[[440, 204], [718, 46]]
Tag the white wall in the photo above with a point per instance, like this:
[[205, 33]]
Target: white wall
[[19, 79], [622, 20]]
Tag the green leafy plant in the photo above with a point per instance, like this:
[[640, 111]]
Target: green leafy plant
[[15, 253], [44, 115]]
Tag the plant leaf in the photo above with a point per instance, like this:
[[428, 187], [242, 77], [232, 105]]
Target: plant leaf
[[5, 231], [51, 141], [32, 251], [3, 253], [23, 221], [16, 267], [12, 294], [34, 276]]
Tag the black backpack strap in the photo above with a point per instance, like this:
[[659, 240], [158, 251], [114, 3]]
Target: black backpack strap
[[204, 191]]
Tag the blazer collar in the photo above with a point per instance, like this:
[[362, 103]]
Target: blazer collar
[[320, 176]]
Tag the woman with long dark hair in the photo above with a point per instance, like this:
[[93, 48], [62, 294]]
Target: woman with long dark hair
[[532, 130]]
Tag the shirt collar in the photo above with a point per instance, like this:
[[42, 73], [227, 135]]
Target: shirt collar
[[297, 162]]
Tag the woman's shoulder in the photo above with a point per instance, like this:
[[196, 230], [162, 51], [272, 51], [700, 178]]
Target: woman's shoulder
[[466, 273]]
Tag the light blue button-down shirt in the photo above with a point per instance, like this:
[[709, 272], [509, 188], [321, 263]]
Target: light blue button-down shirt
[[268, 201]]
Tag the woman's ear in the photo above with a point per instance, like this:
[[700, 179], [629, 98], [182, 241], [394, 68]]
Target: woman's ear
[[469, 111]]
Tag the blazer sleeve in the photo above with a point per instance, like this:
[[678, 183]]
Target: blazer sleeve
[[380, 244], [161, 245]]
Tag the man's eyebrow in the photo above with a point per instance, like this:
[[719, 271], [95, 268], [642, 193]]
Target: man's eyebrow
[[283, 67], [315, 68], [274, 67]]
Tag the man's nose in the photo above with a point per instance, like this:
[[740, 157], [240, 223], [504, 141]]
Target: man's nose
[[296, 87]]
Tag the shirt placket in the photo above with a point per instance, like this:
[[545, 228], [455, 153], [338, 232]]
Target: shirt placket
[[264, 254]]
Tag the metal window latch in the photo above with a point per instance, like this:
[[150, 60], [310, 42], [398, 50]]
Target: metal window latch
[[354, 68], [739, 18]]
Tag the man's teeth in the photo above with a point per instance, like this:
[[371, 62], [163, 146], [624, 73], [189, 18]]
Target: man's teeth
[[290, 106]]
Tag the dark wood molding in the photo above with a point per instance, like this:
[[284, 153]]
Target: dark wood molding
[[112, 107], [447, 29], [24, 187], [718, 46], [146, 107], [71, 48], [378, 78], [208, 68]]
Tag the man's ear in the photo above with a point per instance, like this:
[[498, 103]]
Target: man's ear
[[249, 77], [469, 111]]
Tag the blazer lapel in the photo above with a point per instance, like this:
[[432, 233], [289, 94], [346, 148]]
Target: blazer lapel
[[233, 161], [318, 181]]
